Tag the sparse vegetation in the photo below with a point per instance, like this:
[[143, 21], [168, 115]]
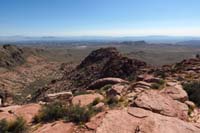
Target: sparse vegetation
[[158, 85], [160, 73], [71, 113], [78, 114], [112, 101], [96, 101], [16, 126], [193, 90], [50, 112]]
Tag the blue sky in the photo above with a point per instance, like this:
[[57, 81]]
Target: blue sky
[[99, 17]]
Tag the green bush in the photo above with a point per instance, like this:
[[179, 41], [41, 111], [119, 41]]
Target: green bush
[[78, 114], [71, 113], [112, 101], [96, 101], [16, 126], [193, 90], [155, 86], [50, 112], [160, 73]]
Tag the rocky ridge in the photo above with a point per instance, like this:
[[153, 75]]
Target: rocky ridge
[[151, 103]]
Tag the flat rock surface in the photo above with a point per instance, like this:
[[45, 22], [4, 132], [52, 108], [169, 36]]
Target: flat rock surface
[[162, 104], [137, 120], [56, 127]]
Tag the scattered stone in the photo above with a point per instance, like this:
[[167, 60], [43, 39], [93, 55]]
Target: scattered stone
[[117, 89], [99, 105]]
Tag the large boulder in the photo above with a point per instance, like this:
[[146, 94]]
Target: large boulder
[[117, 89], [162, 104], [86, 99], [176, 92], [137, 120], [26, 111]]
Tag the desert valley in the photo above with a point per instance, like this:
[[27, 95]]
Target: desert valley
[[127, 87]]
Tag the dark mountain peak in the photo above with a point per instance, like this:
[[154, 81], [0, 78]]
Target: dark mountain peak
[[99, 55]]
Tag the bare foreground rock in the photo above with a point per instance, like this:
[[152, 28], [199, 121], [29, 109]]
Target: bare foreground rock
[[137, 120], [26, 111], [162, 104], [176, 92], [55, 127]]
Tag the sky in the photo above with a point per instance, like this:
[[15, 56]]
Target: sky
[[99, 17]]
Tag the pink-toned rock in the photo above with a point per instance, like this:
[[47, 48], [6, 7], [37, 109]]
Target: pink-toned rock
[[56, 127], [148, 78], [95, 121], [190, 104], [63, 96], [117, 89], [26, 111], [86, 99], [140, 84], [176, 92], [104, 81], [137, 120], [99, 105], [162, 104]]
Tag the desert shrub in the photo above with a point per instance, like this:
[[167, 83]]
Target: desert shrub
[[16, 126], [96, 101], [71, 113], [50, 112], [112, 101], [106, 87], [155, 86], [78, 114], [158, 85], [193, 90], [160, 73], [161, 82]]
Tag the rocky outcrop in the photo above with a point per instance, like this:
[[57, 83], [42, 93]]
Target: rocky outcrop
[[162, 104], [103, 63], [137, 120], [176, 92], [61, 96], [106, 81], [26, 111]]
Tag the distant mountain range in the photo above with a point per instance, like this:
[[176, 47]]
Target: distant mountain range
[[151, 39]]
